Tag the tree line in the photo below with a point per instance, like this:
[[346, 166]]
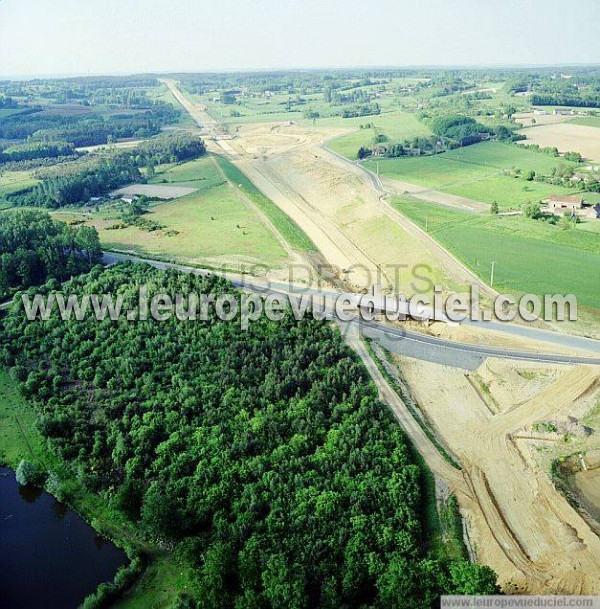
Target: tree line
[[35, 248], [34, 150], [87, 129], [97, 174]]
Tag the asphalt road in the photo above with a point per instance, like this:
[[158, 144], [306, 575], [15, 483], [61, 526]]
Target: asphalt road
[[407, 342]]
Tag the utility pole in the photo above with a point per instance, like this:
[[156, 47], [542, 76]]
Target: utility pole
[[426, 223], [492, 275], [377, 168]]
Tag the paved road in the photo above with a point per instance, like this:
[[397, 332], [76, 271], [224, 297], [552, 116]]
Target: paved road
[[562, 340], [398, 340]]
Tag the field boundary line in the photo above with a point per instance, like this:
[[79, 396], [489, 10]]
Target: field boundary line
[[405, 221]]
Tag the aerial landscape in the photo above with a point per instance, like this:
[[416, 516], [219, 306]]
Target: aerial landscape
[[298, 315]]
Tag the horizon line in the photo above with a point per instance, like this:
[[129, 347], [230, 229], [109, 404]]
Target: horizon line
[[493, 66]]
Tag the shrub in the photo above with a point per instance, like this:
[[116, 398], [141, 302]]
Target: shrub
[[54, 486], [27, 473]]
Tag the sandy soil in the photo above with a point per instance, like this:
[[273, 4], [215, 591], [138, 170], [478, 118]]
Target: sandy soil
[[520, 524], [566, 137], [336, 205], [588, 487], [360, 236], [475, 335]]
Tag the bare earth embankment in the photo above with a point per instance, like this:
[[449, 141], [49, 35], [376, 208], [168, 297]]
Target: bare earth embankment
[[486, 420]]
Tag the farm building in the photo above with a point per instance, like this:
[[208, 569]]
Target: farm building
[[594, 212], [565, 204], [564, 112]]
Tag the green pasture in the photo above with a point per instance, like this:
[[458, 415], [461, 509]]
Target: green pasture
[[530, 256], [480, 172]]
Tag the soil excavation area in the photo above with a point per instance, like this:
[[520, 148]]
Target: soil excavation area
[[588, 486], [518, 522], [336, 206], [490, 421]]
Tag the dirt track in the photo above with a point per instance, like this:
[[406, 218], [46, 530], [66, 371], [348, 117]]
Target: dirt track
[[435, 196], [335, 204], [364, 240], [517, 512]]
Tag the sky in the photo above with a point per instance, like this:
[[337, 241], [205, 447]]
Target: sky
[[62, 37]]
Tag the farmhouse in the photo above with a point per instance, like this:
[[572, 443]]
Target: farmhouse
[[565, 204], [564, 112]]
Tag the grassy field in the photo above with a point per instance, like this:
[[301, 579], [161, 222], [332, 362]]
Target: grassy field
[[10, 181], [280, 106], [477, 172], [397, 126], [288, 229], [163, 93], [529, 255], [586, 121], [160, 585], [213, 226], [6, 112]]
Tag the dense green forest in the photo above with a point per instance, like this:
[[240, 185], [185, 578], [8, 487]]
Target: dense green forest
[[34, 248], [35, 150], [263, 457], [97, 174], [87, 129], [171, 148], [80, 180]]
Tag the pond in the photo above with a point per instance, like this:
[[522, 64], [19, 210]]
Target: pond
[[49, 556]]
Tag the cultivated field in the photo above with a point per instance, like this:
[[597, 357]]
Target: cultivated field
[[577, 135], [586, 121], [529, 255], [158, 191], [477, 172], [336, 206], [11, 181]]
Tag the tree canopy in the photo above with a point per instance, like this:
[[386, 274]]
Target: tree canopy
[[34, 248], [264, 455]]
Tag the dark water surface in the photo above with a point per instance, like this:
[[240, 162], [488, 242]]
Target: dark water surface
[[49, 557]]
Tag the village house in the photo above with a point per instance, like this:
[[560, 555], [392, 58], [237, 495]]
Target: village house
[[565, 204]]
